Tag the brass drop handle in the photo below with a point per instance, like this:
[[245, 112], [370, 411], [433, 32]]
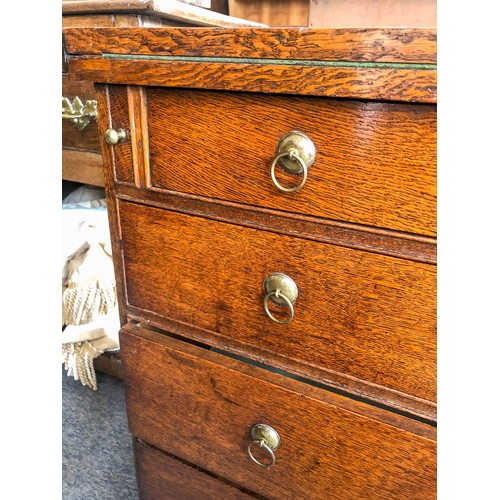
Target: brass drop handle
[[113, 136], [266, 438], [295, 153], [79, 113], [282, 290], [292, 155]]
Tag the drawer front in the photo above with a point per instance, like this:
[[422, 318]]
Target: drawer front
[[81, 149], [116, 111], [162, 477], [88, 138], [199, 405], [375, 162], [369, 316]]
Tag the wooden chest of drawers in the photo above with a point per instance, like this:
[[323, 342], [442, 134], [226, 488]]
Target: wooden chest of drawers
[[272, 200]]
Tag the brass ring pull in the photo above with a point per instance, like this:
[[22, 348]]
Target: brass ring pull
[[262, 444], [295, 153], [267, 438], [292, 154], [283, 291], [278, 294]]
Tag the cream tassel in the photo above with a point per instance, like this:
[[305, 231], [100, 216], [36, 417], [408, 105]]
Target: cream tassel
[[83, 302], [78, 361]]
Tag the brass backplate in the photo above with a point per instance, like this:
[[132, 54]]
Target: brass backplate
[[267, 433], [286, 285], [302, 144]]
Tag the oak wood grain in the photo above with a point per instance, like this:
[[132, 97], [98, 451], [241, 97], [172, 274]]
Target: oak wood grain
[[82, 166], [82, 89], [326, 451], [392, 84], [86, 139], [106, 100], [287, 381], [190, 257], [119, 118], [387, 242], [369, 316], [375, 162], [137, 104], [383, 45], [163, 477], [379, 396]]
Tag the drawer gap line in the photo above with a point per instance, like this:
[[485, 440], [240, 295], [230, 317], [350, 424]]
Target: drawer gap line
[[396, 406], [280, 62], [426, 256], [205, 471]]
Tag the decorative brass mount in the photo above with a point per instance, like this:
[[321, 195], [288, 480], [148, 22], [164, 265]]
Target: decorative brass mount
[[78, 113]]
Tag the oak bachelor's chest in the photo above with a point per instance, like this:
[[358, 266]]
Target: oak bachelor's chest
[[272, 201]]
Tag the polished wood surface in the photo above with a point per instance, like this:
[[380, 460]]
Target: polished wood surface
[[382, 241], [356, 312], [79, 160], [159, 474], [82, 166], [124, 169], [104, 122], [86, 139], [76, 88], [341, 63], [197, 225], [81, 150], [375, 162], [364, 82], [326, 452], [388, 45]]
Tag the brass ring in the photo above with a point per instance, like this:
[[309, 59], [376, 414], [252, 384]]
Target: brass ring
[[262, 443], [287, 300], [291, 154]]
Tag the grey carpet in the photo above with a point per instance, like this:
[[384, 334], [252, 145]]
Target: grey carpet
[[97, 457]]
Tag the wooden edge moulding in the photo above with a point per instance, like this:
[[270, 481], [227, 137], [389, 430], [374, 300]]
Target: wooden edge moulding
[[386, 64], [398, 45]]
